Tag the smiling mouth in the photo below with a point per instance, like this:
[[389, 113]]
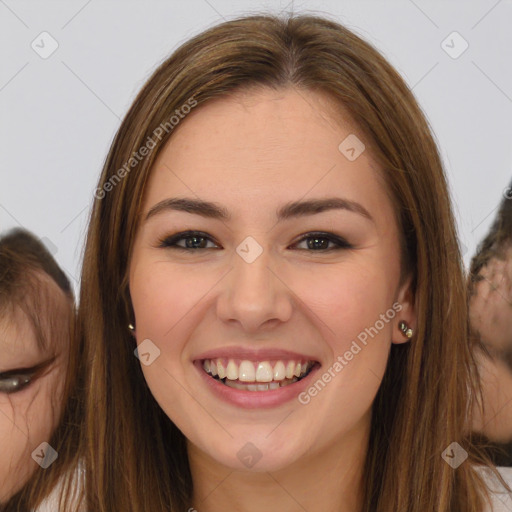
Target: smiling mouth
[[257, 375]]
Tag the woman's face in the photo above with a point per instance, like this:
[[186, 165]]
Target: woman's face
[[278, 287], [31, 384]]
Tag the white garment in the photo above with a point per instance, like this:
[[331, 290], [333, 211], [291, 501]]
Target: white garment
[[501, 499], [51, 502]]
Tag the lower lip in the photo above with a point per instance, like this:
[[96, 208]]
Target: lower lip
[[256, 399]]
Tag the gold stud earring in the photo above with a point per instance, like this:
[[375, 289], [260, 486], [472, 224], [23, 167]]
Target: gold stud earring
[[405, 329], [131, 327]]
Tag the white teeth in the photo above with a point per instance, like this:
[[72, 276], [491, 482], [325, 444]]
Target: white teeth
[[264, 372], [279, 371], [246, 372], [290, 369], [232, 370], [220, 369], [283, 373]]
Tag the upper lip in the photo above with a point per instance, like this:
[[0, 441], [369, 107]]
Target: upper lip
[[261, 354]]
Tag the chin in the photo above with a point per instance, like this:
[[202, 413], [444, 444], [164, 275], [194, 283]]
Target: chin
[[255, 453]]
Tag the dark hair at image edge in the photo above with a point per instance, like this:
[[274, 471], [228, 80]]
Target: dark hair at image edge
[[498, 237], [492, 247], [422, 405]]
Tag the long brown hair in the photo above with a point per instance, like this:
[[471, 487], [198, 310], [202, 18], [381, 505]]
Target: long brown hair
[[136, 459]]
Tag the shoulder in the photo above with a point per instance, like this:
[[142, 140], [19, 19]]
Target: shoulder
[[501, 498], [51, 502]]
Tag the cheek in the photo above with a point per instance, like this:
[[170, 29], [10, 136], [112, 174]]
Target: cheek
[[15, 465], [162, 295], [353, 309], [166, 302], [348, 300], [27, 419]]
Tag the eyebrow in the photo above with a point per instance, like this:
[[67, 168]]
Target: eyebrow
[[290, 210]]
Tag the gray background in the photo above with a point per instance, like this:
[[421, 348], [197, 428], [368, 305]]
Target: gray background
[[59, 114]]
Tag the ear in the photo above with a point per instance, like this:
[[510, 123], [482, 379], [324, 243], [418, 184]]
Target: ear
[[405, 312]]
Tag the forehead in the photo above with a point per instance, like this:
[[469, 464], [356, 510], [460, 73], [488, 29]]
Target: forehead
[[265, 146], [44, 308], [17, 338]]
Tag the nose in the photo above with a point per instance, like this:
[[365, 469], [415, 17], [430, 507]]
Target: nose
[[254, 295]]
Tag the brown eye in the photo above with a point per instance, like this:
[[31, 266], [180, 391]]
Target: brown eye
[[194, 240], [14, 383], [319, 242]]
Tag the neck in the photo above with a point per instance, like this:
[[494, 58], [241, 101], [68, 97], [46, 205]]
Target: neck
[[329, 479]]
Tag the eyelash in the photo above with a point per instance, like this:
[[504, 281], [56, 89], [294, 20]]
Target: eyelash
[[170, 241]]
